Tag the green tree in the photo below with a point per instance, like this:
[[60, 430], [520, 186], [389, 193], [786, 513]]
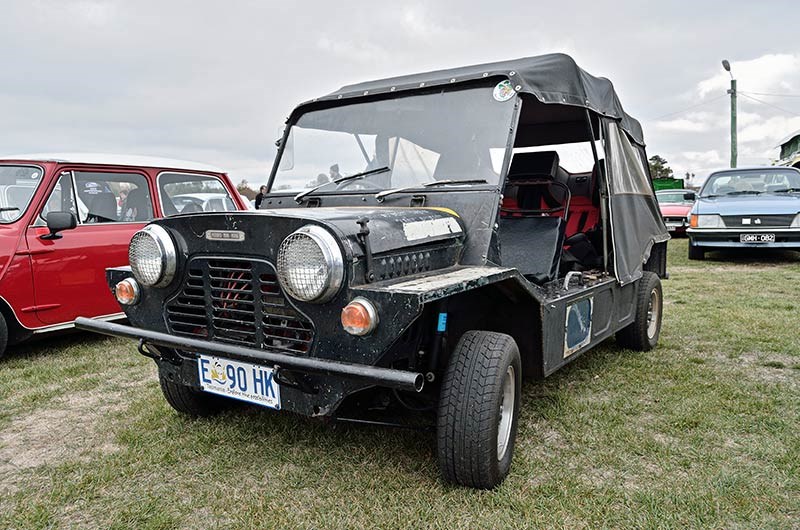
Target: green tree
[[659, 168]]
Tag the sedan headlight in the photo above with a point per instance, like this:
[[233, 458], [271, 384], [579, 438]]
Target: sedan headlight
[[310, 264], [152, 256], [707, 221], [795, 222]]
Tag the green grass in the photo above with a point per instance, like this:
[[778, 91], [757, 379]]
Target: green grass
[[701, 432]]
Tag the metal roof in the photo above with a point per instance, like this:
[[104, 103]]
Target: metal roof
[[115, 160]]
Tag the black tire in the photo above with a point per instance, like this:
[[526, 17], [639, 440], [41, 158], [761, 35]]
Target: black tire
[[187, 400], [642, 334], [3, 335], [469, 449], [696, 252]]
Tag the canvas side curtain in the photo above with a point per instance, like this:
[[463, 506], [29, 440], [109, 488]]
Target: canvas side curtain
[[636, 222]]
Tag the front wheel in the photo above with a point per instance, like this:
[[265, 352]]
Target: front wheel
[[478, 410], [696, 253], [642, 334], [187, 400], [3, 335]]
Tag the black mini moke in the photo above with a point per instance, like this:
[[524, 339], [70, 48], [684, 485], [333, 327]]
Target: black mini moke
[[426, 242]]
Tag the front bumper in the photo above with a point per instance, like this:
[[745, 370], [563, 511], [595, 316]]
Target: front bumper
[[373, 375], [785, 238]]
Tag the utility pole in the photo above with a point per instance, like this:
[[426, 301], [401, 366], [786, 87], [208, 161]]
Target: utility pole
[[734, 151]]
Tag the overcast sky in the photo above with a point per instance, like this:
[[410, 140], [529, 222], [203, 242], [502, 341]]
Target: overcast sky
[[214, 81]]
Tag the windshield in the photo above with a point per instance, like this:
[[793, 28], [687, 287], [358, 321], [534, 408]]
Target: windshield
[[751, 182], [672, 197], [17, 186], [444, 135]]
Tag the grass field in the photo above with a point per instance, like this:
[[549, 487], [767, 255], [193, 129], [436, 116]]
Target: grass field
[[704, 431]]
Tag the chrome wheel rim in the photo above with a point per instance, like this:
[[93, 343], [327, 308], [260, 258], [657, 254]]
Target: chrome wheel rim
[[506, 413], [653, 311]]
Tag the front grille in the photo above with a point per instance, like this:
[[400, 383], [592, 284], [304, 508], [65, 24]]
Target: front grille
[[237, 301], [758, 221], [674, 219]]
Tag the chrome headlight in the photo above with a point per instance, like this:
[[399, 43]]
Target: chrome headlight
[[310, 264], [152, 256], [795, 222]]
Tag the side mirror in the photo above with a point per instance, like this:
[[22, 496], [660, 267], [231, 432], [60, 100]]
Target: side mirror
[[689, 197], [59, 221]]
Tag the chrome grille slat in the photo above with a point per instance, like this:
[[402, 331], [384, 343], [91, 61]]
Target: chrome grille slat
[[238, 301]]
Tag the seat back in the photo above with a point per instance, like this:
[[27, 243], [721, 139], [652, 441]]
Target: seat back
[[102, 208], [532, 245]]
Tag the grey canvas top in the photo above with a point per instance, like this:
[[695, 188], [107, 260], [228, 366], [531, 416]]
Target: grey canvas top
[[552, 79]]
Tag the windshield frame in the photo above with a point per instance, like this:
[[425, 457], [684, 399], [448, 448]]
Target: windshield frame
[[704, 190], [36, 188], [314, 106]]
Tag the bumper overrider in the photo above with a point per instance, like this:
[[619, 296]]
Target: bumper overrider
[[150, 343]]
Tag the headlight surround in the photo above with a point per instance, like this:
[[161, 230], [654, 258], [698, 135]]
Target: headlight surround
[[310, 264], [707, 221], [795, 222], [152, 256]]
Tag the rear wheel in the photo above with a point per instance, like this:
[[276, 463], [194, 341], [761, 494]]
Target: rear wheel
[[478, 410], [187, 400], [642, 334], [696, 252]]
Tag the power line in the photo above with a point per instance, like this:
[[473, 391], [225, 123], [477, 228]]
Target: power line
[[773, 95], [769, 104], [685, 110]]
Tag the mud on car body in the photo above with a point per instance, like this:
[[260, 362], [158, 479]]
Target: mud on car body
[[426, 241]]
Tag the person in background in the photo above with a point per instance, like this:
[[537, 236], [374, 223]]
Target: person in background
[[334, 174], [260, 196]]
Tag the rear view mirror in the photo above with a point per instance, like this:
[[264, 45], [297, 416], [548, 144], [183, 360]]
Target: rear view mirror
[[688, 197], [59, 221]]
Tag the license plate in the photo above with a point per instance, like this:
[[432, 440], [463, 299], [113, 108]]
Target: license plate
[[244, 381], [757, 238]]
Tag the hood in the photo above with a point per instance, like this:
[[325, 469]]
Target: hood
[[765, 204], [390, 228], [676, 209]]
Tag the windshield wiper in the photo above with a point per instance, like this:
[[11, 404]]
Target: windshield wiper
[[380, 196], [745, 192], [299, 197], [786, 190], [9, 209]]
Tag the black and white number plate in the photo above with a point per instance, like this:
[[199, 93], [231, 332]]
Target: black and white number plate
[[757, 238]]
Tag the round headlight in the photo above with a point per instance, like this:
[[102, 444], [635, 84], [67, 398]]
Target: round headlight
[[310, 264], [152, 256]]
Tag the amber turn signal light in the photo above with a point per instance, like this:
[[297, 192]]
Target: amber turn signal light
[[359, 317], [693, 221], [127, 291]]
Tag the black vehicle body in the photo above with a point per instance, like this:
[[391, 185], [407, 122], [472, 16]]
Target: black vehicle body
[[436, 262]]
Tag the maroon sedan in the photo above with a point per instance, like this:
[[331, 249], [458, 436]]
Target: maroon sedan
[[675, 206], [65, 218]]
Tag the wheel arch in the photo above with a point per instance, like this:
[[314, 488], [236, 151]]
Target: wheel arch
[[505, 307], [16, 331]]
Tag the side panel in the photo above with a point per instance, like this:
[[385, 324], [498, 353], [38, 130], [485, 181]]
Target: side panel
[[581, 320]]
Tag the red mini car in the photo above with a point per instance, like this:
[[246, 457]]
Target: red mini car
[[675, 206], [65, 218]]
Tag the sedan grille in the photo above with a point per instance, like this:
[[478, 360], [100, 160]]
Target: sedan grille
[[237, 301], [758, 221]]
